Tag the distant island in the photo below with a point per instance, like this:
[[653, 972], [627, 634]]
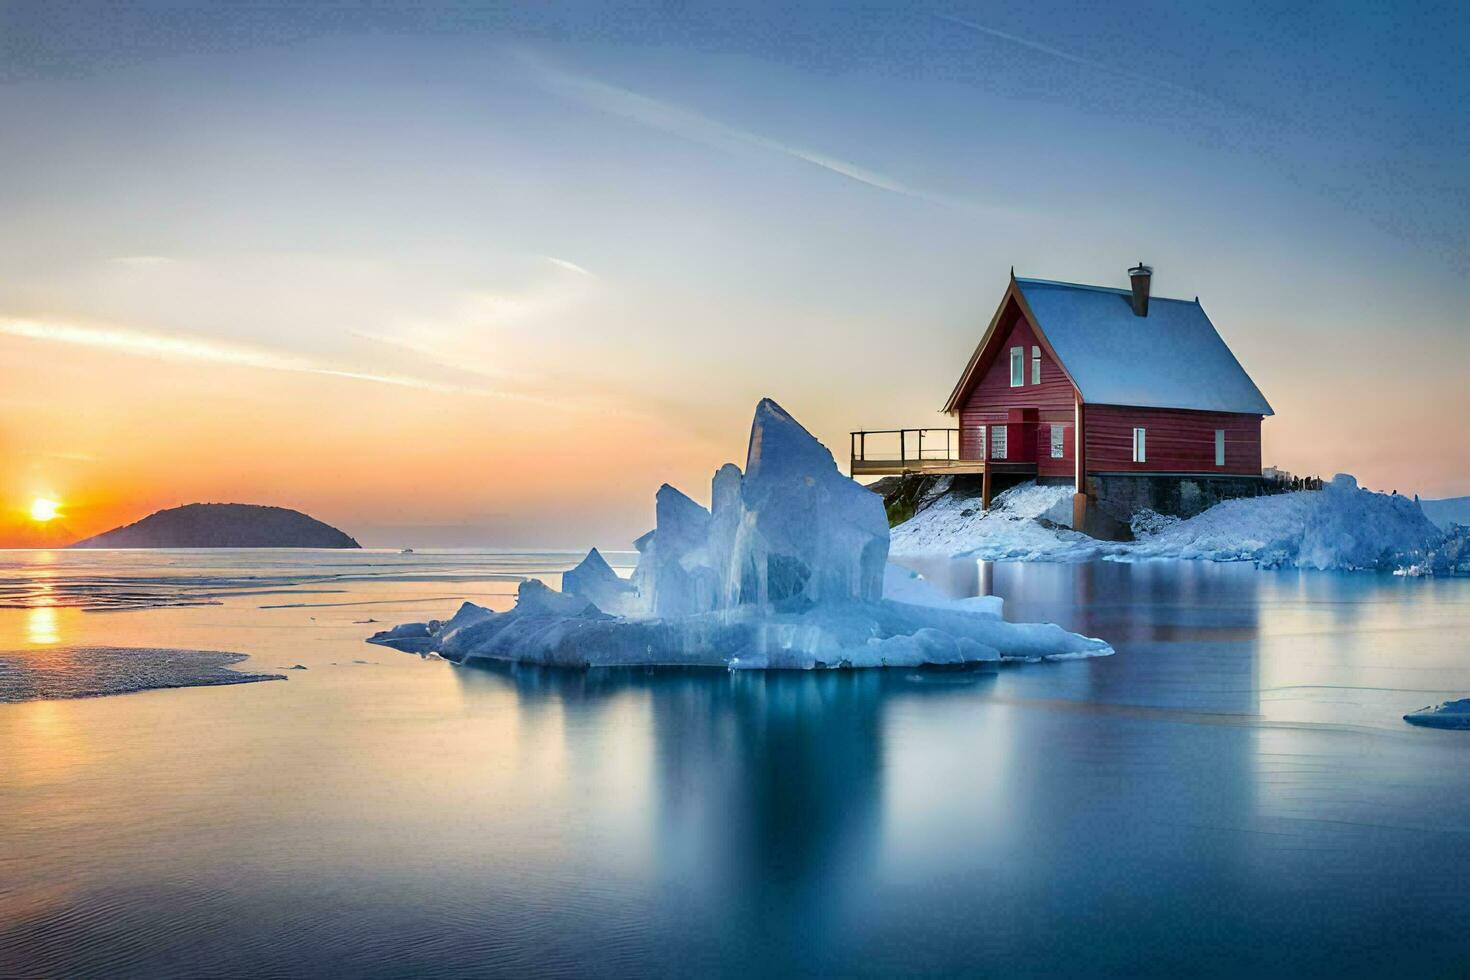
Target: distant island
[[223, 526]]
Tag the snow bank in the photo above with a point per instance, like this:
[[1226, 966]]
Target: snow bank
[[788, 569], [1339, 527], [956, 526]]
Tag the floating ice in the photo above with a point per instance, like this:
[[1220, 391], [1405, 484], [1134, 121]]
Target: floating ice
[[595, 581], [45, 673], [806, 530], [683, 580], [788, 569], [1451, 714]]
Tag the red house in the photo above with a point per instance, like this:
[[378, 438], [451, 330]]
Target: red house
[[1121, 394]]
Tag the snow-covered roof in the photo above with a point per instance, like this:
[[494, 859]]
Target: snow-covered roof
[[1172, 358]]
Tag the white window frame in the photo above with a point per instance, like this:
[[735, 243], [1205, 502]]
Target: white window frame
[[1140, 444], [1058, 441], [998, 441], [1018, 367], [1219, 447], [984, 446], [1036, 365]]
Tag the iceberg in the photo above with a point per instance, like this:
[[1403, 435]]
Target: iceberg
[[787, 569], [595, 581], [1450, 714]]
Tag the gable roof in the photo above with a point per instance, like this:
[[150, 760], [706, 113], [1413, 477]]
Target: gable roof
[[1172, 358]]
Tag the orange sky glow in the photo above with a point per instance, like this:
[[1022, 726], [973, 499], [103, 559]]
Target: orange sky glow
[[501, 305]]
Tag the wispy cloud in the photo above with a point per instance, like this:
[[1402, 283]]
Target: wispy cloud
[[567, 265], [66, 457], [671, 118], [172, 347], [1076, 59]]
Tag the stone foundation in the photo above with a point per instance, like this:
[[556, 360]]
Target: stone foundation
[[1113, 498]]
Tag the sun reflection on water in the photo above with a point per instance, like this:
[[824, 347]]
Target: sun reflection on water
[[42, 628]]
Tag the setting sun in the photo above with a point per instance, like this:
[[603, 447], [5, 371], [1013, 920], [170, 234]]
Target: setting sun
[[44, 509]]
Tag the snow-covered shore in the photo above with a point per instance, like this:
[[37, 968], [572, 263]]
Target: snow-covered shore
[[951, 525], [1340, 527]]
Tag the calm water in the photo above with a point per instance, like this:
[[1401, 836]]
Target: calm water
[[1234, 792]]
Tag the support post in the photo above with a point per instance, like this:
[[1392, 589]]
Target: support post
[[1079, 453], [985, 488]]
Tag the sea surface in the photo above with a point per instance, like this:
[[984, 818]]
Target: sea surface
[[1233, 793]]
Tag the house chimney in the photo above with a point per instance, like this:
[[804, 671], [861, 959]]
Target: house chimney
[[1139, 276]]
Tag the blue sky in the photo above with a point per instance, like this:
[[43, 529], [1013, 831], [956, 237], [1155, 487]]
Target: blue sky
[[623, 224]]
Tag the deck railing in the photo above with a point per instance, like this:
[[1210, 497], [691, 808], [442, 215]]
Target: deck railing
[[897, 448]]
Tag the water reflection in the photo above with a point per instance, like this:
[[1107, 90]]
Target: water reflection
[[873, 821], [767, 795], [41, 626], [1233, 793]]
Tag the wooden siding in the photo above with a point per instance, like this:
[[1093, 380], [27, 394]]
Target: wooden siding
[[993, 401], [1176, 441]]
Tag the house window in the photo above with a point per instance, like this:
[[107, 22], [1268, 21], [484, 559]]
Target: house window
[[1018, 366], [1058, 440], [979, 442], [1140, 454], [1036, 365], [998, 441], [1219, 447]]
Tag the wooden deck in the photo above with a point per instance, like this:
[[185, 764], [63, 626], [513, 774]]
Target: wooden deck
[[898, 467], [928, 452]]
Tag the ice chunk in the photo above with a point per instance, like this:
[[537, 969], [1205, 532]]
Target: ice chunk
[[1451, 714], [929, 646], [854, 634], [595, 581], [683, 581], [536, 597], [904, 585], [809, 533], [792, 530], [727, 513], [409, 637]]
